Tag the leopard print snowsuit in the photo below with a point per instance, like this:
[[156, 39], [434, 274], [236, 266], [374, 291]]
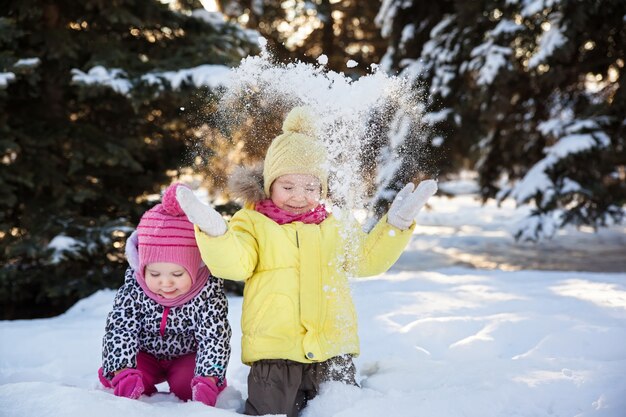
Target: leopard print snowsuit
[[138, 323]]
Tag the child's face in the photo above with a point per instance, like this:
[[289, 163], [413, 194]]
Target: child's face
[[169, 280], [296, 193]]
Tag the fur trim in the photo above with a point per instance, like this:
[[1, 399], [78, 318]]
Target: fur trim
[[132, 251], [246, 184]]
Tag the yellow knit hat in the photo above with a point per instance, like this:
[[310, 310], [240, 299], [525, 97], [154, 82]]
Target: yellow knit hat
[[296, 151]]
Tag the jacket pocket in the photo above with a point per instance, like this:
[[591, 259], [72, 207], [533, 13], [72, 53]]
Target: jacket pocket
[[274, 326]]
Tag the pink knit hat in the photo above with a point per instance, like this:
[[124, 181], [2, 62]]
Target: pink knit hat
[[166, 235]]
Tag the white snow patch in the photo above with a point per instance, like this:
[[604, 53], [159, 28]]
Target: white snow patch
[[61, 245], [549, 42], [99, 75], [27, 63], [6, 78]]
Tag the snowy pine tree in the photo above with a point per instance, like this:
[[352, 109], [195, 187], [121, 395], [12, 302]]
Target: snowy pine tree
[[342, 30], [531, 90], [92, 117]]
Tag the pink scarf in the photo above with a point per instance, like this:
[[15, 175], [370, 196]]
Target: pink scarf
[[280, 216]]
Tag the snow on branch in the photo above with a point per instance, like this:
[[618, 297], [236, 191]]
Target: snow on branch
[[433, 118], [220, 22], [20, 66], [575, 137], [63, 245], [532, 7], [488, 59], [5, 79], [550, 41], [386, 15], [537, 226], [437, 60], [100, 76], [27, 63], [505, 26], [211, 76], [537, 180]]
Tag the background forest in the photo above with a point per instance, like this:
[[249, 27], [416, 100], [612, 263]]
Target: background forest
[[103, 103]]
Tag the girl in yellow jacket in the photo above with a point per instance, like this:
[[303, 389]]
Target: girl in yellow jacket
[[298, 321]]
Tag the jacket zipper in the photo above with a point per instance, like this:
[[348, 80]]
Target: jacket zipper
[[166, 311], [297, 240]]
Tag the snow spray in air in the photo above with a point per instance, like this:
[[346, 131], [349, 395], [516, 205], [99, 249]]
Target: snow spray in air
[[363, 123]]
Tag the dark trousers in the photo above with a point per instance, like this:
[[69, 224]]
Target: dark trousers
[[279, 386]]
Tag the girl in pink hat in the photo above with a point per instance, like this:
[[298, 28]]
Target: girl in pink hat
[[169, 318]]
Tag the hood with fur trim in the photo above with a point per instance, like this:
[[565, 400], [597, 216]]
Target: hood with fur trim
[[132, 251], [246, 184]]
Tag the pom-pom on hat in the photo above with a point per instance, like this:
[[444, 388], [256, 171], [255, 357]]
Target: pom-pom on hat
[[166, 235], [296, 151]]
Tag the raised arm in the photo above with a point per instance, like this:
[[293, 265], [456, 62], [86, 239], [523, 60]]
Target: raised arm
[[384, 244], [230, 252], [205, 217], [408, 203]]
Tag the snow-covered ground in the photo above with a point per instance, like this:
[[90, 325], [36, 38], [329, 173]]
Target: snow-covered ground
[[459, 327], [462, 232]]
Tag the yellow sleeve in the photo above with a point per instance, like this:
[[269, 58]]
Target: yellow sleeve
[[381, 248], [233, 255]]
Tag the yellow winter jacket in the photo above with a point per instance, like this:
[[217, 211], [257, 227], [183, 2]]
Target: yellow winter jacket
[[297, 303]]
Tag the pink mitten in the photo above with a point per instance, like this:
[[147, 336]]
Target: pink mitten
[[205, 390], [103, 380], [128, 383]]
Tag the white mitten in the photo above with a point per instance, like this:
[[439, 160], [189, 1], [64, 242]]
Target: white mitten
[[408, 203], [198, 213]]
